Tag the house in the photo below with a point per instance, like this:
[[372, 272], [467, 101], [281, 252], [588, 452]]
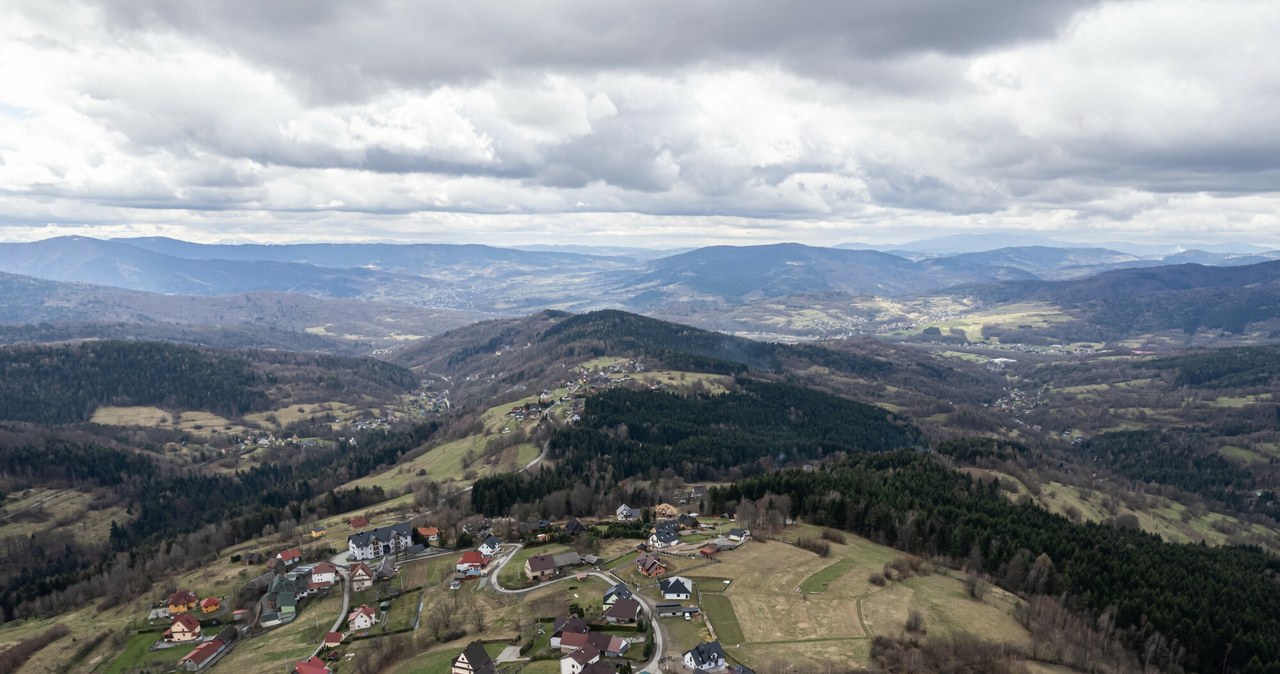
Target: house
[[615, 593], [705, 657], [623, 612], [207, 653], [739, 535], [210, 605], [332, 640], [312, 665], [675, 610], [576, 661], [361, 577], [288, 558], [665, 534], [474, 659], [565, 625], [490, 546], [471, 559], [182, 601], [709, 550], [185, 627], [359, 522], [324, 574], [429, 534], [676, 587], [565, 560], [318, 531], [688, 521], [626, 513], [650, 566], [573, 527], [387, 569], [538, 567], [379, 542], [362, 618]]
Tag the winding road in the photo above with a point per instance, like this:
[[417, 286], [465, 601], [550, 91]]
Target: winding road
[[652, 664]]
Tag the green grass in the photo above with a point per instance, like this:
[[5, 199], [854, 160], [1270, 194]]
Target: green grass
[[710, 584], [513, 573], [819, 581], [723, 619], [136, 655], [1243, 454]]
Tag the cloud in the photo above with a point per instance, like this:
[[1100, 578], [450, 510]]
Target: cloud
[[698, 122]]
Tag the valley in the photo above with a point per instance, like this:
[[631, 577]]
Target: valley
[[891, 457]]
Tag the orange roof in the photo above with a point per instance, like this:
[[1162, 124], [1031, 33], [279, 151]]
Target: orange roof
[[473, 557], [210, 601], [429, 531], [362, 569]]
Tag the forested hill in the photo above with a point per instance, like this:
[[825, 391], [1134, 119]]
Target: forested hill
[[1221, 605], [1184, 297], [534, 352], [758, 425], [65, 384]]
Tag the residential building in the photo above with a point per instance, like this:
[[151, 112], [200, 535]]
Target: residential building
[[619, 591], [312, 665], [626, 513], [210, 605], [379, 542], [362, 618], [182, 601], [324, 574], [185, 627], [576, 661], [739, 535], [676, 587], [361, 577], [474, 659], [650, 566], [566, 625], [623, 612], [538, 567], [490, 546], [471, 559], [705, 657], [429, 534]]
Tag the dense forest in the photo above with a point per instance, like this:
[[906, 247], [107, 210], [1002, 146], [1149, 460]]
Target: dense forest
[[58, 385], [1223, 368], [626, 433], [65, 384], [1222, 605], [167, 503], [1177, 457]]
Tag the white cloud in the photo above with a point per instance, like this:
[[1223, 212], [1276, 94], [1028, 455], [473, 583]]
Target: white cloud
[[502, 123]]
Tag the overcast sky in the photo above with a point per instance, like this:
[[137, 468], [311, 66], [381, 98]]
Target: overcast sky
[[664, 122]]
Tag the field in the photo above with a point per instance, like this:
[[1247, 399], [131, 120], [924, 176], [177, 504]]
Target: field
[[512, 575], [136, 654], [196, 423], [66, 511], [786, 603], [283, 646]]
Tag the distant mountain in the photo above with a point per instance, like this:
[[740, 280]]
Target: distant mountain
[[1219, 259], [956, 244], [1048, 262], [112, 263], [740, 274], [1187, 297], [26, 300]]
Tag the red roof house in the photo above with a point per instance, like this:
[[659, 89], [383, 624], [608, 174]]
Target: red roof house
[[359, 522], [312, 665], [333, 640]]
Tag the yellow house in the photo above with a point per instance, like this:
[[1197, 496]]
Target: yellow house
[[210, 605], [182, 601], [318, 531]]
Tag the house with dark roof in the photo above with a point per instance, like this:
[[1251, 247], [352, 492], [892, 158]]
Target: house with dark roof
[[613, 594], [182, 601], [623, 612], [578, 660], [626, 513], [387, 569], [688, 521], [473, 659], [566, 625], [739, 535], [665, 534], [650, 566], [573, 527], [379, 542], [490, 546], [538, 567], [676, 587], [705, 657]]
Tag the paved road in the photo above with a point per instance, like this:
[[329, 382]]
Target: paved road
[[652, 664]]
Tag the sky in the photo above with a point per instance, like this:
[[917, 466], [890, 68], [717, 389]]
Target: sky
[[659, 123]]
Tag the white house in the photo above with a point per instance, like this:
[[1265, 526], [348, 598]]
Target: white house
[[379, 542], [490, 546], [739, 535], [705, 657], [362, 618], [473, 660], [676, 587], [324, 572], [626, 513], [578, 660]]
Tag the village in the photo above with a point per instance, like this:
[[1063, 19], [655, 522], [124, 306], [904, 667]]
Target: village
[[385, 572]]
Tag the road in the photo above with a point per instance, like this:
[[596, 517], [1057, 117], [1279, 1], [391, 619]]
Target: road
[[339, 560], [652, 664]]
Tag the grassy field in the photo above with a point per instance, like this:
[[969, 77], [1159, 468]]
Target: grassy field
[[196, 423], [66, 511], [513, 573], [720, 611], [282, 647], [136, 654], [786, 603], [820, 581]]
